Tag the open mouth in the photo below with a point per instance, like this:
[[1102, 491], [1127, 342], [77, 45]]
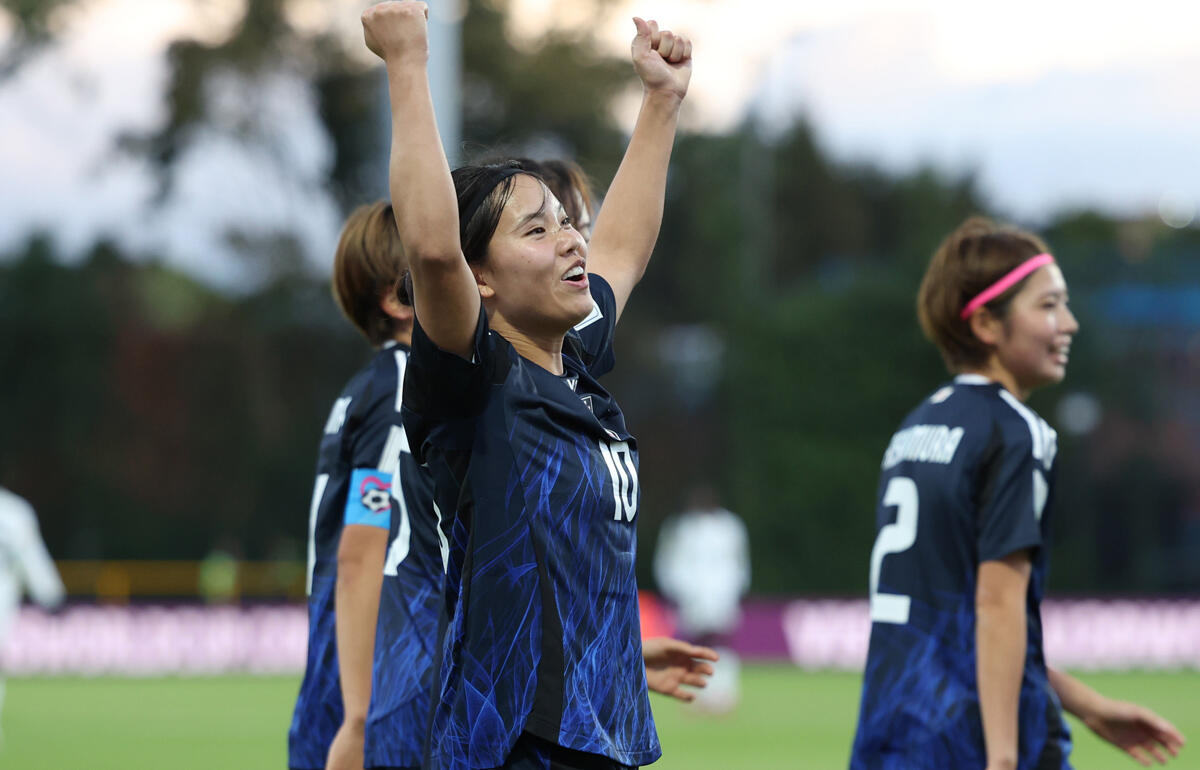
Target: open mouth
[[576, 277]]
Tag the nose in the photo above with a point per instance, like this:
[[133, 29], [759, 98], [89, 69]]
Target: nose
[[1070, 324], [569, 239]]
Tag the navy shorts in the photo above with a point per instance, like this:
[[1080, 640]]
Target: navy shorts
[[534, 753]]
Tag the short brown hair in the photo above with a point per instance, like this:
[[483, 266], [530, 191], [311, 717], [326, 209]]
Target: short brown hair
[[972, 258], [565, 177], [368, 264]]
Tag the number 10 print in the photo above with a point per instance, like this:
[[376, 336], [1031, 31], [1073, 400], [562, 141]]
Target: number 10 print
[[619, 459]]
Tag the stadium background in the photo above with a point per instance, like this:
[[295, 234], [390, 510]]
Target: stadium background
[[164, 423]]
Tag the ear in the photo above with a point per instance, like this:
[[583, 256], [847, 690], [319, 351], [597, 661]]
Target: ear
[[986, 327], [485, 289], [391, 305]]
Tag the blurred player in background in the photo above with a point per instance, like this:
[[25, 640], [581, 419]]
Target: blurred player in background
[[541, 664], [702, 564], [371, 522], [25, 565], [955, 675]]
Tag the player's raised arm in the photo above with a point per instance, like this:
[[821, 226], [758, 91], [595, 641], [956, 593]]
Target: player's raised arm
[[445, 294], [628, 224]]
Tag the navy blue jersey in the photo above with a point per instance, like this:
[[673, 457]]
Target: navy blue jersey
[[542, 628], [406, 632], [967, 478], [358, 455]]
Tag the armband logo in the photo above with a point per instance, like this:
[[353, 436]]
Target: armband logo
[[374, 494]]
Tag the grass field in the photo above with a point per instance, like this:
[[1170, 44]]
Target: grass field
[[788, 719]]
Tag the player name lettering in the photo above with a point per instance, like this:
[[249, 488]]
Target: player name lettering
[[923, 443]]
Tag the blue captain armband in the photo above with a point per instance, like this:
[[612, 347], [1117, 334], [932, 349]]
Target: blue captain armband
[[369, 500]]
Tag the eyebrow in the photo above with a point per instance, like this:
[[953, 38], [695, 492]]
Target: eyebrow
[[530, 217]]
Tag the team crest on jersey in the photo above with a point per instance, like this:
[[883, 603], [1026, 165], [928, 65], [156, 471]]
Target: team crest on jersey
[[587, 401]]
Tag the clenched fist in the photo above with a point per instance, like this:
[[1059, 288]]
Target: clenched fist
[[662, 59], [396, 31]]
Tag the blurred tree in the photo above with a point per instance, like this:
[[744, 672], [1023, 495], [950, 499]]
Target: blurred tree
[[33, 25], [149, 416]]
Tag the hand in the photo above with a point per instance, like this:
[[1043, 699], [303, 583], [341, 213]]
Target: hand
[[663, 60], [396, 31], [671, 663], [1137, 731], [346, 751]]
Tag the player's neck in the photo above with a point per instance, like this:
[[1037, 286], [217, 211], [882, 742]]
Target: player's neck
[[545, 350], [997, 373]]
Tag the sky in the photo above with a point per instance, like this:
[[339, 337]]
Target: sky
[[1053, 105]]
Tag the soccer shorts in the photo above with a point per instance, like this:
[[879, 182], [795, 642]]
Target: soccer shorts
[[534, 753]]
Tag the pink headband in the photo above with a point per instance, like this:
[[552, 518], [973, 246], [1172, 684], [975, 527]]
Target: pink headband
[[1006, 283]]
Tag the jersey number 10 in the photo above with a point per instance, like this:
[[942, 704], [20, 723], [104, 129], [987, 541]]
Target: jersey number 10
[[621, 468]]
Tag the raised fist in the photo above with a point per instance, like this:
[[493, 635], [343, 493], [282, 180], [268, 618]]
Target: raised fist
[[662, 59], [396, 31]]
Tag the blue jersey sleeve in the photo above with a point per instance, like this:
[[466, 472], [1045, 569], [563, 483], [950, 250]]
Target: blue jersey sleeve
[[595, 333], [374, 440], [1013, 496], [374, 434], [442, 387]]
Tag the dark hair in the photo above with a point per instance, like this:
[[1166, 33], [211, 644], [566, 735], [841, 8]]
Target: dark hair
[[368, 263], [482, 191], [565, 177], [973, 257]]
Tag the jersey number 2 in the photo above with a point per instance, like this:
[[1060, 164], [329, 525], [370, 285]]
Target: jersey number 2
[[898, 536]]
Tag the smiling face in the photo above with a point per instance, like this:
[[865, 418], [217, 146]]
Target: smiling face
[[1033, 342], [535, 273]]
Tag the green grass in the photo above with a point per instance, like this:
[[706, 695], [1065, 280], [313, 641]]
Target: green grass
[[788, 719], [792, 720]]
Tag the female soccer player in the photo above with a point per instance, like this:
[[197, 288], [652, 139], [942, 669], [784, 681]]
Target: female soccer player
[[955, 674], [542, 660], [384, 697], [362, 452]]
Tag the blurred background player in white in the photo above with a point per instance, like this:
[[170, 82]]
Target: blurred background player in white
[[702, 565], [25, 565]]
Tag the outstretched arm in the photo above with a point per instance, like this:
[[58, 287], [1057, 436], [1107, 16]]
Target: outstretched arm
[[627, 226], [445, 294], [1137, 731]]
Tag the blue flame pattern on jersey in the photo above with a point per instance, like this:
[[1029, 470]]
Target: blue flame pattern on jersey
[[360, 433], [542, 617], [982, 492], [925, 714]]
